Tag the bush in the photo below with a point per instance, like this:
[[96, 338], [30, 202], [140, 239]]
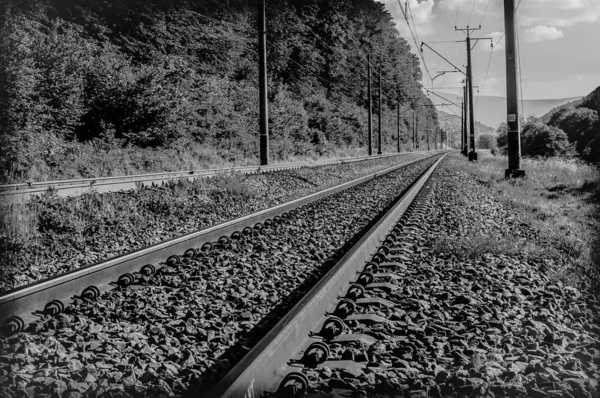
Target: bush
[[582, 126], [486, 141], [538, 139]]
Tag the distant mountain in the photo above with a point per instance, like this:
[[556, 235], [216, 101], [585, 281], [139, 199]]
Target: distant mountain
[[491, 111], [571, 104], [480, 128]]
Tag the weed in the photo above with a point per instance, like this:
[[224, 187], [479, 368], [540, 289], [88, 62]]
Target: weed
[[558, 197]]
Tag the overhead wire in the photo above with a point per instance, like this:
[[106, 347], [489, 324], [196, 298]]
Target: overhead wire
[[471, 14], [519, 62], [518, 4], [415, 39], [486, 74], [485, 12], [456, 16]]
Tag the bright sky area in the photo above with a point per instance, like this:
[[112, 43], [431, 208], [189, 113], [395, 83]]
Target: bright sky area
[[558, 42]]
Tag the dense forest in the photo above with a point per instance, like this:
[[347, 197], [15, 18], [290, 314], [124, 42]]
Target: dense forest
[[570, 130], [90, 87]]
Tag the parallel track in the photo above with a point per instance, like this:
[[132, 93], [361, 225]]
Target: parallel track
[[272, 367], [22, 305], [13, 192]]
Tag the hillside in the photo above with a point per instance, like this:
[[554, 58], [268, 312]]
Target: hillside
[[491, 110], [580, 122], [569, 105], [90, 88], [480, 128]]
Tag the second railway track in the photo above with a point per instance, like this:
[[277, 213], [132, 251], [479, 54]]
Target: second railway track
[[224, 295]]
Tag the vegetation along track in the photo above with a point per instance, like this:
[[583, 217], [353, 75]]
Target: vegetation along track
[[181, 327], [49, 235], [120, 183]]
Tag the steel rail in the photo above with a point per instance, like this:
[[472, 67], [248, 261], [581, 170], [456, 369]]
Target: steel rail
[[26, 303], [121, 183], [266, 365]]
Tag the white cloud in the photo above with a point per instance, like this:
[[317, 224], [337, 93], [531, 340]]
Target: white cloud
[[559, 4], [559, 13], [421, 12], [497, 40], [542, 33]]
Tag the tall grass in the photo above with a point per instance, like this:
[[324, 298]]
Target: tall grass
[[560, 198], [86, 160]]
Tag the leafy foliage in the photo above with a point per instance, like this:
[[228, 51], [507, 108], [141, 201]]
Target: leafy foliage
[[486, 141], [153, 74], [582, 126], [538, 139]]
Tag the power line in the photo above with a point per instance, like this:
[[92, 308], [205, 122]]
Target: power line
[[519, 63], [485, 12], [471, 14], [500, 39], [456, 17], [518, 4], [415, 39], [486, 75]]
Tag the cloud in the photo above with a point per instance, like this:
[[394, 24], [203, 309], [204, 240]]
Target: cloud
[[497, 40], [421, 12], [559, 4], [542, 33], [559, 13]]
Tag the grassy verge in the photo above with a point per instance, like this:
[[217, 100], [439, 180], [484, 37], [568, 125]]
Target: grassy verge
[[559, 199], [94, 160]]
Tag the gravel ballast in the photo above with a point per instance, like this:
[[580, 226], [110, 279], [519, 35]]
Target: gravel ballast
[[177, 332], [483, 325], [61, 234]]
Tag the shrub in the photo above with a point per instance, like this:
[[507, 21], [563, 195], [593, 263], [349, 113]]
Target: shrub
[[582, 126], [486, 141], [538, 139]]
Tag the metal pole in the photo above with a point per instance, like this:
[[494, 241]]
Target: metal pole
[[512, 95], [447, 134], [262, 83], [398, 137], [414, 129], [428, 133], [380, 115], [370, 104], [462, 127], [472, 154], [465, 128]]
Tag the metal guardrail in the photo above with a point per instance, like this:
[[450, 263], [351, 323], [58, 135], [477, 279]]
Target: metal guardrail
[[121, 183]]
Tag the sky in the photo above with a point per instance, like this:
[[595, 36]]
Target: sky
[[559, 42]]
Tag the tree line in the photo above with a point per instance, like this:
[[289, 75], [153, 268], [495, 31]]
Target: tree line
[[141, 74], [572, 130]]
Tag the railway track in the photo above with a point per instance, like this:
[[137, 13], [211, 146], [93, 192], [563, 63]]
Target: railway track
[[352, 293], [345, 295], [76, 187], [128, 280], [25, 304]]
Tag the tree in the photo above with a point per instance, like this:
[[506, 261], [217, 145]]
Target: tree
[[486, 141], [539, 139], [582, 127], [502, 138]]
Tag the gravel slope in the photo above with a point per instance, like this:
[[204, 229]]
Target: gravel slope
[[68, 233], [177, 332], [486, 325]]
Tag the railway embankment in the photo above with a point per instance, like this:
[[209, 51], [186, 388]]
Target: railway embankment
[[487, 303], [49, 235], [486, 297]]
